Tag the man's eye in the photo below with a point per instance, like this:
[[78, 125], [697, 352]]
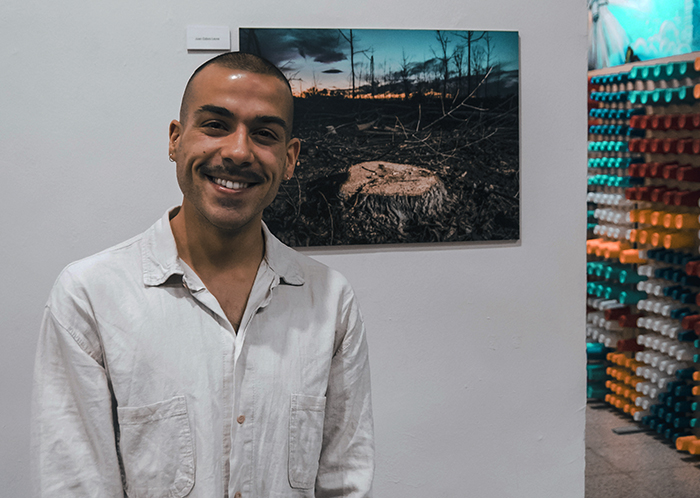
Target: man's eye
[[216, 125], [267, 134]]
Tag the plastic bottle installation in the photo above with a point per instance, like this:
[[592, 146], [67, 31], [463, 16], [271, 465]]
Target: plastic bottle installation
[[643, 318]]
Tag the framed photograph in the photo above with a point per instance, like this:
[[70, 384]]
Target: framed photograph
[[408, 136]]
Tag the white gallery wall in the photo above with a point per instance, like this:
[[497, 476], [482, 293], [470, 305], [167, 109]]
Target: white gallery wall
[[477, 350]]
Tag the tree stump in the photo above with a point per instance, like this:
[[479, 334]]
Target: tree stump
[[385, 201]]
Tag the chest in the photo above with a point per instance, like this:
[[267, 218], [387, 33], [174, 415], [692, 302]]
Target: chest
[[181, 345], [233, 300], [232, 291]]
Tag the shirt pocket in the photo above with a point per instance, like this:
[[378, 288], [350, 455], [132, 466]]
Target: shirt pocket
[[157, 449], [305, 439]]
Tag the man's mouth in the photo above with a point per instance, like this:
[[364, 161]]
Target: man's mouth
[[229, 184]]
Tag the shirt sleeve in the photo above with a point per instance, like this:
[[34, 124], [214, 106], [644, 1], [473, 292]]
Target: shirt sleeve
[[346, 465], [74, 450]]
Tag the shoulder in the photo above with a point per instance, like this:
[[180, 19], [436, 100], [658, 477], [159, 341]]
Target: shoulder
[[85, 285], [313, 267], [328, 285], [118, 257], [77, 279], [299, 269], [312, 272]]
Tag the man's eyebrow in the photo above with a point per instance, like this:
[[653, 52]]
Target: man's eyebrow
[[272, 120], [215, 109], [225, 113]]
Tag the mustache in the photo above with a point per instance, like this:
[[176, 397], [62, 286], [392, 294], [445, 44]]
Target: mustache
[[233, 171]]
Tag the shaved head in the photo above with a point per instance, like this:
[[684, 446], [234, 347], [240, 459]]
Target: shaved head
[[236, 61]]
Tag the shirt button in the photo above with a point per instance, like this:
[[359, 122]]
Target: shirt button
[[240, 420], [237, 495]]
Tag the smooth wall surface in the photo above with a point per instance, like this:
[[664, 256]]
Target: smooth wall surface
[[477, 350]]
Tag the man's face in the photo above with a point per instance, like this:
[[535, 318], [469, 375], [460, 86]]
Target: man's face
[[233, 147]]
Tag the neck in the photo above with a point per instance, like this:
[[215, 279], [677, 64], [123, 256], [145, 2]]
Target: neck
[[206, 248]]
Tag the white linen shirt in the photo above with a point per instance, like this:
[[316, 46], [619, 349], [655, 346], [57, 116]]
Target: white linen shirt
[[143, 388]]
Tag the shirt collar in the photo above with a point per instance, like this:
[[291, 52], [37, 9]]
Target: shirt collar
[[161, 260], [282, 260]]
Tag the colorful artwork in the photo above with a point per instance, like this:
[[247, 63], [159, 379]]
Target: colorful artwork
[[407, 135], [621, 31]]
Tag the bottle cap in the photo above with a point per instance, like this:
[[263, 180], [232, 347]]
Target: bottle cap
[[683, 390], [696, 91], [694, 448], [683, 443], [683, 258], [684, 146], [687, 336], [670, 95], [688, 174], [667, 146], [680, 240], [643, 236], [644, 216], [683, 406], [670, 122], [671, 71], [656, 193], [689, 322], [686, 198], [631, 296], [684, 122], [669, 170], [631, 256], [688, 297], [656, 218], [690, 280], [686, 221]]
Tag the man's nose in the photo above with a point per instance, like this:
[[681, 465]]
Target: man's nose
[[237, 147]]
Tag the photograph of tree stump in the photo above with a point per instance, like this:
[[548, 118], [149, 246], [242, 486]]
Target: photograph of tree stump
[[408, 136]]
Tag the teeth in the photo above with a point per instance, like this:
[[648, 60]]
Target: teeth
[[231, 185]]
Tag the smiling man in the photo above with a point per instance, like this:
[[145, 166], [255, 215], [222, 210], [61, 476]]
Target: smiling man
[[204, 358]]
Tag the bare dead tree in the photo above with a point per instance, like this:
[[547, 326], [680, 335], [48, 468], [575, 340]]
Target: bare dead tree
[[294, 77], [478, 60], [370, 76], [405, 73], [489, 50], [360, 74], [470, 38], [373, 82], [350, 38], [458, 60], [444, 60], [497, 68], [314, 89], [387, 76]]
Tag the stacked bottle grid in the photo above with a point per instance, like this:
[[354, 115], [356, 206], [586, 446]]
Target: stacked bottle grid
[[643, 265]]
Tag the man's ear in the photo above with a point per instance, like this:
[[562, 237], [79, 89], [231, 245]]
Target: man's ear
[[293, 147], [174, 133]]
